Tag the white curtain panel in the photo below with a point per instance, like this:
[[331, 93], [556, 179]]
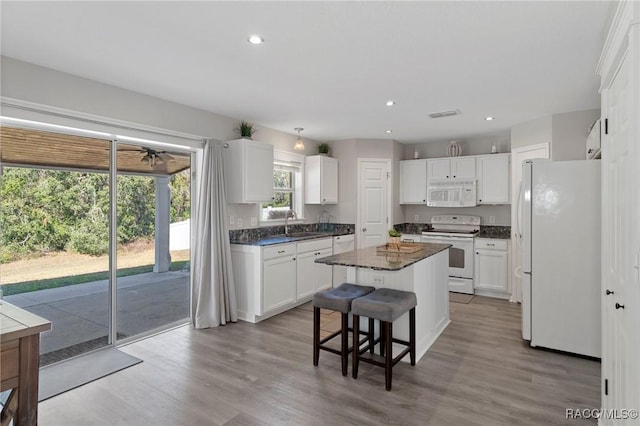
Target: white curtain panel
[[213, 294]]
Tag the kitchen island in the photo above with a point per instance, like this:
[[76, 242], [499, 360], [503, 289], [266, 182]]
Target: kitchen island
[[424, 272]]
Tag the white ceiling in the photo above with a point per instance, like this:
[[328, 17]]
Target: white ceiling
[[330, 66]]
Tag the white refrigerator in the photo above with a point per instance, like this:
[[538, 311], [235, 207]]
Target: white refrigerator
[[561, 255]]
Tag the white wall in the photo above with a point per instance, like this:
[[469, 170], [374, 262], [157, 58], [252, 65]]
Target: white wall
[[347, 152], [566, 133], [532, 132], [570, 131], [32, 83], [470, 146]]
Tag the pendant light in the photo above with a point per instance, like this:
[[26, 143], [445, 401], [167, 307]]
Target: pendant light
[[299, 146]]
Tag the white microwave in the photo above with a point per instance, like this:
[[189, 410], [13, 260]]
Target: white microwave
[[451, 193]]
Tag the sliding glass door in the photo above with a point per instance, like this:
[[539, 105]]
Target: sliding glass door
[[94, 236], [153, 235]]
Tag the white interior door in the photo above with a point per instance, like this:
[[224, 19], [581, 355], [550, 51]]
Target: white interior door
[[374, 218], [518, 156], [621, 246]]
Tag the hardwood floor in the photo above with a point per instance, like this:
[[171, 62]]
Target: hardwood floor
[[479, 372]]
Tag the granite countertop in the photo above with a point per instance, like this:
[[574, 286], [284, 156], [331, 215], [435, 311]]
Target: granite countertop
[[269, 235], [382, 261], [281, 239], [497, 232]]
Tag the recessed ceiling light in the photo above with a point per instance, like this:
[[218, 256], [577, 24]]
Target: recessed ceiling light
[[255, 39], [387, 131], [489, 118], [390, 103]]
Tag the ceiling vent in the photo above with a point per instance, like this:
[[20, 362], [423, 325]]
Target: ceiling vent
[[443, 114]]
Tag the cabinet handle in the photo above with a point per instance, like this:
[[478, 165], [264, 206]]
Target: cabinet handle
[[477, 253], [293, 258], [324, 199], [480, 200], [590, 151], [608, 292], [447, 176], [454, 176], [619, 306], [281, 251], [424, 201], [364, 229], [491, 245]]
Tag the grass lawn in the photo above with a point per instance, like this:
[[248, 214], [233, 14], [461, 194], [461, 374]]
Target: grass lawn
[[27, 286], [62, 269]]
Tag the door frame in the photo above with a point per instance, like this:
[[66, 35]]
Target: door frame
[[389, 164]]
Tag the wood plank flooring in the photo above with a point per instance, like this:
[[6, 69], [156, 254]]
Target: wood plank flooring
[[479, 372]]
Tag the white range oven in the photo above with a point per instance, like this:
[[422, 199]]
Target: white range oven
[[459, 231]]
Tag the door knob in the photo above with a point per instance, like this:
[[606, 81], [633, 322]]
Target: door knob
[[608, 292], [619, 306], [364, 229]]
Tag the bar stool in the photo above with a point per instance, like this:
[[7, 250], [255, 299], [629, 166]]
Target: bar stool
[[338, 299], [385, 305]]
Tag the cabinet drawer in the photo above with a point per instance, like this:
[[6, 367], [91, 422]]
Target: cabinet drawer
[[491, 244], [278, 250], [314, 245]]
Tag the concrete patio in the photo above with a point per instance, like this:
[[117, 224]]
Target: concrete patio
[[80, 313]]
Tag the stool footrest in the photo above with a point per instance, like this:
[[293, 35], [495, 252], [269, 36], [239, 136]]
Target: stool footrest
[[379, 360], [337, 333]]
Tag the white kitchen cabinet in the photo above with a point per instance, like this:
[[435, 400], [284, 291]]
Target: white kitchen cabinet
[[279, 283], [342, 244], [413, 182], [312, 276], [452, 168], [494, 178], [272, 279], [248, 171], [321, 180], [491, 267]]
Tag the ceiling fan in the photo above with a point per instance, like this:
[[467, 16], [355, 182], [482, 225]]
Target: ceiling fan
[[151, 157]]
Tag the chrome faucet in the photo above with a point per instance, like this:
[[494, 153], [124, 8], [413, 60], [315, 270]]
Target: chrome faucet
[[292, 214]]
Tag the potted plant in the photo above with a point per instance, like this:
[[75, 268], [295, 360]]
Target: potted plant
[[246, 129], [323, 148], [394, 237]]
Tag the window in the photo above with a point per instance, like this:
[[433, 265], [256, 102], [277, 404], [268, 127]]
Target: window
[[287, 187]]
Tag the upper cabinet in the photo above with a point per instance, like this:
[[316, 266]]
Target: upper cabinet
[[452, 168], [248, 171], [413, 182], [493, 178], [320, 180]]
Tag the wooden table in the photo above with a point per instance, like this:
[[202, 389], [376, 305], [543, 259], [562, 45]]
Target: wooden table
[[20, 360]]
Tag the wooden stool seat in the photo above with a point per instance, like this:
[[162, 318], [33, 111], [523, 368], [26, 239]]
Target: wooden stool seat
[[337, 299], [386, 305]]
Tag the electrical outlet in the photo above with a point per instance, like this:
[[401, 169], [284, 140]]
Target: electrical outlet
[[416, 217], [254, 221], [239, 222], [379, 280], [232, 220], [492, 219]]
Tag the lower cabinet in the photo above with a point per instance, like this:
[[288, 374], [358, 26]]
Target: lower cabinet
[[313, 276], [491, 264], [272, 279], [279, 283]]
